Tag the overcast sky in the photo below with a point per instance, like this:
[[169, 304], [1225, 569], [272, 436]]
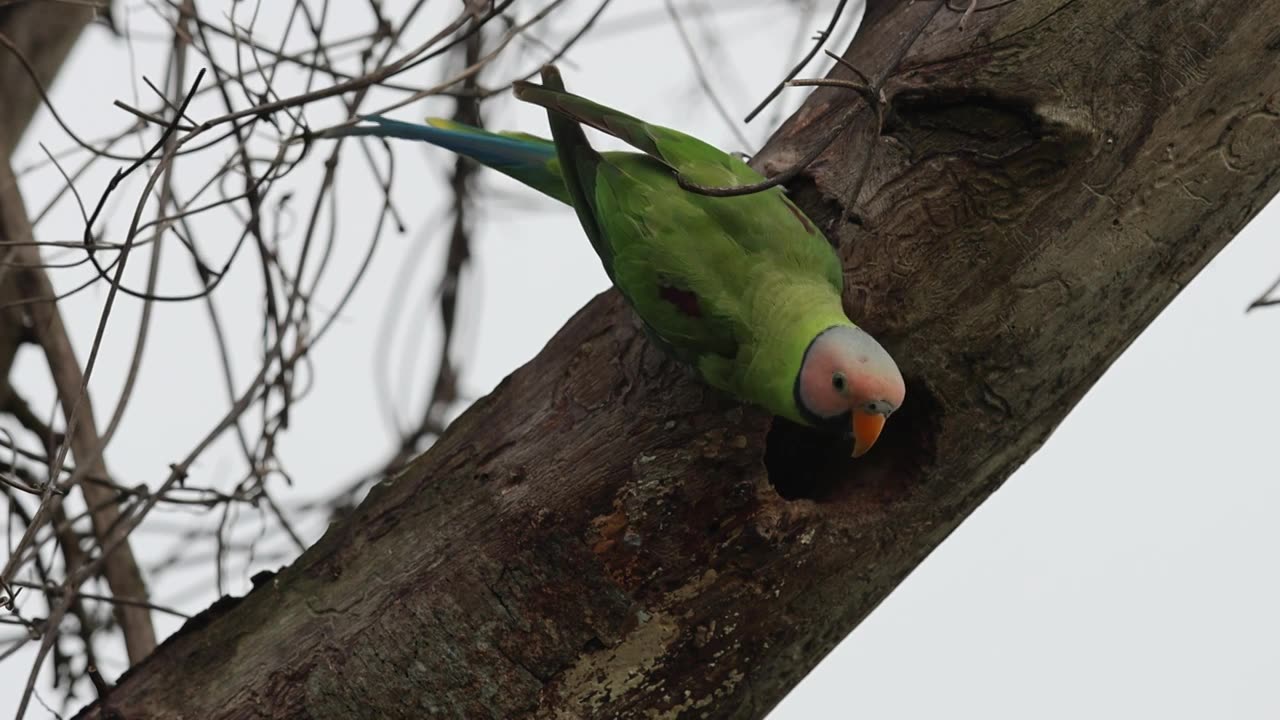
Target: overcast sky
[[1125, 571]]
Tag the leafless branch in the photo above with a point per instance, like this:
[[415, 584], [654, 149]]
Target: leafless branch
[[228, 146], [838, 128], [819, 42]]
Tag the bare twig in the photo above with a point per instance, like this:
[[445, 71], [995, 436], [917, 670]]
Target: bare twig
[[837, 128], [223, 149], [701, 73], [821, 40], [1267, 298], [82, 435]]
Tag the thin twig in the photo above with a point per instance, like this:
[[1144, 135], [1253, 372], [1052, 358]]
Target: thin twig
[[822, 38], [701, 74], [837, 129]]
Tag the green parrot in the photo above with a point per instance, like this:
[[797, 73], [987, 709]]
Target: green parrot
[[744, 289]]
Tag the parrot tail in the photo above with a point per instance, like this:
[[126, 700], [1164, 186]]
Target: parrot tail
[[687, 155], [579, 162], [633, 131], [531, 160]]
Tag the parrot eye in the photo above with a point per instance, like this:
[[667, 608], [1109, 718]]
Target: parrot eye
[[838, 382]]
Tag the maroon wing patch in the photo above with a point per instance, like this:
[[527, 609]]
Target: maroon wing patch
[[686, 301]]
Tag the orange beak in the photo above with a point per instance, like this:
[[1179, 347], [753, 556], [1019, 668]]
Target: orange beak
[[866, 429]]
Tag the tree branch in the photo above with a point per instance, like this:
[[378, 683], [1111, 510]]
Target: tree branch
[[43, 33], [48, 330], [602, 536]]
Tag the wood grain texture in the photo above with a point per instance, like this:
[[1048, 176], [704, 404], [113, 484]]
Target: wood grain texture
[[604, 537]]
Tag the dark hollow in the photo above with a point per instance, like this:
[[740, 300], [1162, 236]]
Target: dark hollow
[[810, 464], [804, 463]]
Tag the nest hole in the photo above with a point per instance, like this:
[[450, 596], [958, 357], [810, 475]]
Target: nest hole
[[804, 463]]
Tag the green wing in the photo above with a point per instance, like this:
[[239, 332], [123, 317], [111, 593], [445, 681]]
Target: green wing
[[578, 166], [696, 160], [681, 258], [670, 260], [766, 222]]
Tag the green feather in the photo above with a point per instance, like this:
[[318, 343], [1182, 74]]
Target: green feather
[[766, 279], [736, 286], [579, 163]]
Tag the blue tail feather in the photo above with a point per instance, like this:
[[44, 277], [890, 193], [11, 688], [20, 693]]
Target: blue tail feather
[[497, 151], [531, 160]]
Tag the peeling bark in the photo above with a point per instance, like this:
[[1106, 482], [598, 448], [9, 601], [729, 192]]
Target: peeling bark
[[602, 536]]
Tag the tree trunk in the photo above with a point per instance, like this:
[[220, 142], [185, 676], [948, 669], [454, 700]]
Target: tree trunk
[[44, 36], [36, 38], [602, 536]]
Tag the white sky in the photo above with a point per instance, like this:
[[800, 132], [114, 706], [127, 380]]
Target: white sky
[[1127, 570]]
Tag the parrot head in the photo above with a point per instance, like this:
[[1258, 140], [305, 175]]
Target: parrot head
[[845, 372]]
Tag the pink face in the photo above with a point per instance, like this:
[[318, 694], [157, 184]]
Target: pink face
[[846, 371]]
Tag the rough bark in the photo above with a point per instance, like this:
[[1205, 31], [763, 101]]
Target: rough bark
[[603, 537], [43, 33]]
